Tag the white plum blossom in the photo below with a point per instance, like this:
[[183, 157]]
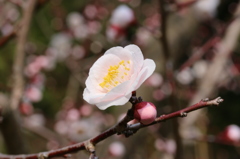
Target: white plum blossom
[[206, 7], [185, 77], [62, 43], [74, 20], [77, 25], [121, 18], [199, 68], [115, 75], [35, 120]]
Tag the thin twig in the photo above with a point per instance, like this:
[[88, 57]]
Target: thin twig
[[112, 131]]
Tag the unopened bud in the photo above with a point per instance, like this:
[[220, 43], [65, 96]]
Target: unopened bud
[[145, 112]]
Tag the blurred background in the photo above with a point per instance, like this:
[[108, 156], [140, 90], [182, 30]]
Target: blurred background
[[194, 43]]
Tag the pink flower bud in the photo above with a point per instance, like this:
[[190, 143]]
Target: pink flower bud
[[145, 112]]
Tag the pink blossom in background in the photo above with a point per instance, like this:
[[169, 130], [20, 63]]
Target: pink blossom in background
[[199, 68], [185, 76], [6, 29], [32, 69], [74, 20], [33, 93], [78, 52], [90, 11], [83, 129], [158, 95], [114, 76], [86, 110], [94, 27], [73, 114], [42, 61], [35, 120], [170, 146], [77, 25], [61, 127], [116, 149], [143, 36], [152, 22], [38, 80], [62, 43], [12, 13], [159, 145], [155, 80]]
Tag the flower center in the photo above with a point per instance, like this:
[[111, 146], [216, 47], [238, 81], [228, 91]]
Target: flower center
[[116, 75]]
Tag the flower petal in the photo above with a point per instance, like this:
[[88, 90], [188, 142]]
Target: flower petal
[[122, 53], [120, 101], [117, 96], [117, 91], [137, 55], [147, 70], [92, 98]]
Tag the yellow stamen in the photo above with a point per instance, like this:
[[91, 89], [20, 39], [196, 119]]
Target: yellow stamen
[[114, 76]]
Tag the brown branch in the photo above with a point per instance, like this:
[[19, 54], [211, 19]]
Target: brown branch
[[181, 113], [207, 45], [163, 29], [168, 74], [10, 126], [114, 130], [19, 57], [200, 52]]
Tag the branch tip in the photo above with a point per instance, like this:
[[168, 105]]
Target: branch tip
[[43, 155], [215, 101]]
